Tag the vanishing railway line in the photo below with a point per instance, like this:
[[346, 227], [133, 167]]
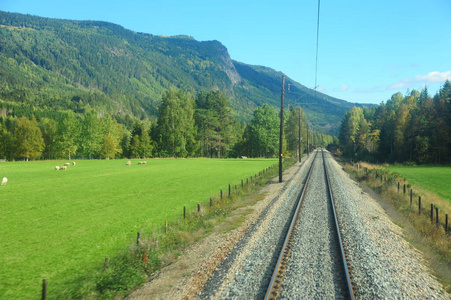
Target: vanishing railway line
[[312, 262], [293, 248]]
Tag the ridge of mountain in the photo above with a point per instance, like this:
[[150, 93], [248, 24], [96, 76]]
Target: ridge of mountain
[[56, 64]]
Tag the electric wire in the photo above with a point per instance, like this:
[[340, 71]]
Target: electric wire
[[317, 47]]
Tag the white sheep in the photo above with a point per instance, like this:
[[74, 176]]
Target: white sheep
[[128, 163], [67, 164], [4, 180], [73, 163], [57, 168], [63, 168], [142, 163]]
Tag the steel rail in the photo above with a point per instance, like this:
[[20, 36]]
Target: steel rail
[[337, 227], [276, 278], [275, 282]]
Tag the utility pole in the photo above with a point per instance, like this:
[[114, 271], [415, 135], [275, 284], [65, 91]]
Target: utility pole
[[299, 135], [281, 129], [308, 149]]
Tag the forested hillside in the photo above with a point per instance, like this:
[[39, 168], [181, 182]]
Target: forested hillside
[[48, 65], [408, 128]]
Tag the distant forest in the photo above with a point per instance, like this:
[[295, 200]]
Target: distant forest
[[412, 128], [187, 126]]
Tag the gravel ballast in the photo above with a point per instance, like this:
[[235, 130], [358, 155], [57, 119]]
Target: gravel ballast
[[239, 264], [315, 269], [246, 272], [382, 264]]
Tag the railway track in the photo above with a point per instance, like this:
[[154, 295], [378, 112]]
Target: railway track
[[312, 262]]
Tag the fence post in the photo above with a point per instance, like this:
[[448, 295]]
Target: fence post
[[436, 215], [432, 212], [211, 201], [198, 207], [242, 183], [404, 189], [44, 289], [221, 194], [106, 264], [138, 237], [419, 204], [398, 187], [446, 223], [411, 195], [229, 191]]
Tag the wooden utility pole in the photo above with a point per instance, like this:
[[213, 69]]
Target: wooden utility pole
[[308, 149], [299, 135], [281, 129]]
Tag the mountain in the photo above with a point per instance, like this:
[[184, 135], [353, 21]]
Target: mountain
[[52, 64]]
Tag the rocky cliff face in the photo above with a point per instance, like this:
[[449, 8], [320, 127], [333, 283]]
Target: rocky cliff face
[[229, 68]]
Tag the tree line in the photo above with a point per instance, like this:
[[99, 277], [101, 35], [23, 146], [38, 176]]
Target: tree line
[[187, 126], [408, 128]]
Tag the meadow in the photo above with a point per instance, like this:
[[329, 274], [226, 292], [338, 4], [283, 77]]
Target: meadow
[[435, 179], [61, 224]]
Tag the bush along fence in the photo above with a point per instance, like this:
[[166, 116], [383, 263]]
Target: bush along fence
[[127, 270], [405, 191]]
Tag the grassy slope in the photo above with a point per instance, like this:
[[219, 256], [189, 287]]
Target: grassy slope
[[57, 224], [435, 179]]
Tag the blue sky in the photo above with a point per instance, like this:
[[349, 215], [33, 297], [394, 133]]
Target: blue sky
[[368, 50]]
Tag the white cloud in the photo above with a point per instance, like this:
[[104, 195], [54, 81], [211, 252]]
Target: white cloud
[[344, 87], [397, 86], [431, 77], [321, 90]]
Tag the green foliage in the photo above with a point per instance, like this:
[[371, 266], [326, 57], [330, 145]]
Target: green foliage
[[262, 133], [414, 127], [176, 130], [91, 134], [67, 135], [27, 139], [140, 145], [215, 123]]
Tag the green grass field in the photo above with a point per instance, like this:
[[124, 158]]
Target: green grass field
[[436, 179], [59, 224]]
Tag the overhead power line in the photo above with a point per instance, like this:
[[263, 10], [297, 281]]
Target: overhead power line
[[317, 47]]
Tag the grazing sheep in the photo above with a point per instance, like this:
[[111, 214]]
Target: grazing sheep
[[128, 163], [73, 163], [4, 180], [67, 164], [57, 168], [63, 168], [142, 163]]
